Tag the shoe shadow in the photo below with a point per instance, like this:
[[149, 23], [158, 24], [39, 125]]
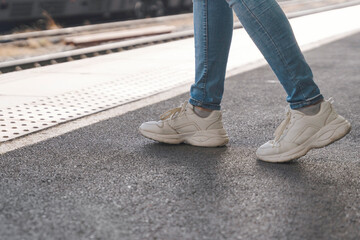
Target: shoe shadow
[[182, 154], [197, 167], [304, 195]]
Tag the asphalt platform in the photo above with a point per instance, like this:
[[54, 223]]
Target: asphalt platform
[[105, 181]]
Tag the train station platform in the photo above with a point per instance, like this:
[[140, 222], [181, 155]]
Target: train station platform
[[97, 178], [37, 99]]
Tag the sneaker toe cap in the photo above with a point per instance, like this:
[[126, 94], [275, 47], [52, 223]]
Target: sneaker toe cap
[[270, 148], [156, 127], [265, 149]]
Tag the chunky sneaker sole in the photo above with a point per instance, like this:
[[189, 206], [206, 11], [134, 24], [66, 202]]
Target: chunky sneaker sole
[[207, 138], [331, 132]]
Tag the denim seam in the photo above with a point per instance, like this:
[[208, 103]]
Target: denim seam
[[276, 47], [206, 63], [307, 100]]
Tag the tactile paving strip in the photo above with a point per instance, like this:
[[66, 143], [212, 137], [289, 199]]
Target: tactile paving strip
[[47, 112]]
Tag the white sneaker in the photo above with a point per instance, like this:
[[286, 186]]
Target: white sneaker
[[182, 125], [299, 133]]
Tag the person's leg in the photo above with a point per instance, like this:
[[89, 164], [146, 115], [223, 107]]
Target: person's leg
[[270, 30], [303, 129], [213, 23], [213, 26]]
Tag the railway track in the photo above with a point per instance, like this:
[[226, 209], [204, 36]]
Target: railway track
[[107, 48], [71, 31]]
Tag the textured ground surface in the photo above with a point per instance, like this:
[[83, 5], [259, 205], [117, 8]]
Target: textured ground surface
[[107, 182]]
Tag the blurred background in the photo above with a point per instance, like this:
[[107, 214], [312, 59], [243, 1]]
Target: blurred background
[[31, 28]]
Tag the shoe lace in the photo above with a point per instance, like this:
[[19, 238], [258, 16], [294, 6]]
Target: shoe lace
[[172, 113], [281, 128]]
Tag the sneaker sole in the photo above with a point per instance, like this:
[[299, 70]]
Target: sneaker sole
[[209, 138], [328, 134]]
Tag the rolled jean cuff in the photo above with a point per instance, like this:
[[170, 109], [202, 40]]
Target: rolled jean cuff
[[204, 105], [308, 102]]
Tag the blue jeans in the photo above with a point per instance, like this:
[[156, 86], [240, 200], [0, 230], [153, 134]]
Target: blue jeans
[[270, 30]]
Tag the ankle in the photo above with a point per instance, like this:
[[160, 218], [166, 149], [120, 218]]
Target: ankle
[[311, 110], [203, 109], [202, 112]]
